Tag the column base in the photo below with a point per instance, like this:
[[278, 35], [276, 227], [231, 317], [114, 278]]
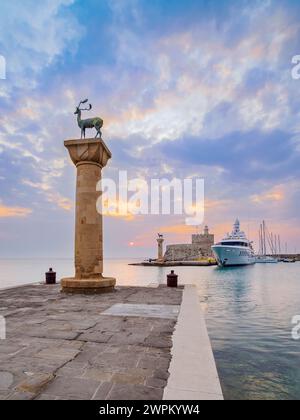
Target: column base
[[95, 285]]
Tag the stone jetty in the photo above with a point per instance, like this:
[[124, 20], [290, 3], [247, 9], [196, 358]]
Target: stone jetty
[[133, 344], [66, 347]]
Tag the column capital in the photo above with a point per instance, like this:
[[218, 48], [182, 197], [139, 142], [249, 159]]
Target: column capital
[[92, 151]]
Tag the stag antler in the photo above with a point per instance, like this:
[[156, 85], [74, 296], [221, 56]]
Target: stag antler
[[84, 102]]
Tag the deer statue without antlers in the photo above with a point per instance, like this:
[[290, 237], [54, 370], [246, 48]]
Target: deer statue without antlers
[[95, 122]]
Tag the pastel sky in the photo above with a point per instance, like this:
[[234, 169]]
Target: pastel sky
[[193, 88]]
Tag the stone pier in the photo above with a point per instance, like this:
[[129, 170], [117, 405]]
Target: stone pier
[[138, 344], [89, 156], [86, 348]]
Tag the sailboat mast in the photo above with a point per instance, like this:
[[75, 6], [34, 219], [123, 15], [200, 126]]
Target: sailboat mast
[[264, 238], [260, 240]]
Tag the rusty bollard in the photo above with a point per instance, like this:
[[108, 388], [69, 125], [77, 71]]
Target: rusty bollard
[[50, 276], [172, 279]]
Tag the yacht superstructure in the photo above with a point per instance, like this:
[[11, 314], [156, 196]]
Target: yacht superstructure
[[234, 249]]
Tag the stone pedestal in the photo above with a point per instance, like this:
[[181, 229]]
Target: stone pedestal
[[89, 156], [160, 251]]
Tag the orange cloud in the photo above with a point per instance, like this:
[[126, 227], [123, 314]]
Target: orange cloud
[[52, 197], [273, 195], [14, 211], [178, 229], [215, 204], [62, 202]]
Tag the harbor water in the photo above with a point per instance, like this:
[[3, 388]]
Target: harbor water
[[249, 312]]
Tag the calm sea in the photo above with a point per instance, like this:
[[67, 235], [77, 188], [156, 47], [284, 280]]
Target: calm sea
[[249, 315]]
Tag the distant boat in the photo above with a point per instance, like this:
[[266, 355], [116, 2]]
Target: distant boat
[[289, 260], [262, 259], [234, 249]]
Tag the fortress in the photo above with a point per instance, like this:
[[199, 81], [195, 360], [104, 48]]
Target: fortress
[[199, 248]]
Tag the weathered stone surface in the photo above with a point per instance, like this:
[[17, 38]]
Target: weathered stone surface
[[152, 362], [118, 360], [46, 397], [89, 352], [96, 337], [62, 355], [77, 388], [101, 375], [21, 396], [71, 372], [35, 383], [6, 380], [125, 338], [45, 333], [125, 378], [134, 392], [161, 374], [161, 353], [159, 341], [156, 383], [21, 365], [10, 350], [103, 391]]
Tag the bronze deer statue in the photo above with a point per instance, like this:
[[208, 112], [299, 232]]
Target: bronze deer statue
[[95, 122]]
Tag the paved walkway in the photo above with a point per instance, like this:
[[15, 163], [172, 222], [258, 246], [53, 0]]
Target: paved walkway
[[64, 347], [199, 380]]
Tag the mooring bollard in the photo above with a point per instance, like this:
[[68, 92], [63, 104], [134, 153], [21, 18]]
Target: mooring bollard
[[50, 276], [172, 279]]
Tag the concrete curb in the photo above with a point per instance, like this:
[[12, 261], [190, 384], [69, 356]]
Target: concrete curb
[[193, 372]]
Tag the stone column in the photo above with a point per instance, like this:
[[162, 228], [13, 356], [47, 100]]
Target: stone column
[[160, 251], [89, 156]]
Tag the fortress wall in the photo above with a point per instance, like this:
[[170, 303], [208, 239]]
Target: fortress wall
[[204, 240], [186, 252]]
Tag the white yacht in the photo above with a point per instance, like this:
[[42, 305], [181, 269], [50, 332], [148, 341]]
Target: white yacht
[[234, 249]]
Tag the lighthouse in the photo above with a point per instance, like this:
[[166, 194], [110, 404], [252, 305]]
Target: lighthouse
[[160, 250]]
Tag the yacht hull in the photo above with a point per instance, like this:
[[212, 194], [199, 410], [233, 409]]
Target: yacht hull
[[229, 256]]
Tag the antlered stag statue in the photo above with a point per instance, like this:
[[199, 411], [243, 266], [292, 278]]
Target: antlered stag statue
[[95, 122]]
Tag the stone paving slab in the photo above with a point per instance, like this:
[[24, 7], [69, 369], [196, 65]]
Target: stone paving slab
[[145, 311], [62, 347]]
